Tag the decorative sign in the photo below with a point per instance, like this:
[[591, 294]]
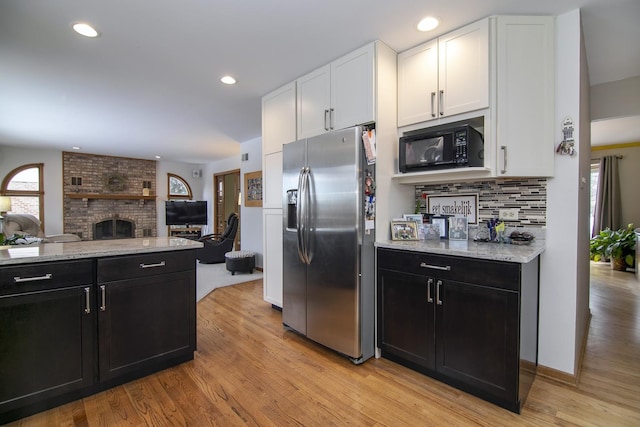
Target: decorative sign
[[460, 205]]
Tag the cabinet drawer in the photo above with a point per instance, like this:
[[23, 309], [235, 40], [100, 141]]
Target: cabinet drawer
[[505, 275], [42, 276], [129, 267]]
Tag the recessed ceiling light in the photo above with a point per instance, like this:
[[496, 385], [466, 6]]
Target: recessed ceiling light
[[428, 24], [228, 80], [85, 29], [76, 147], [158, 157]]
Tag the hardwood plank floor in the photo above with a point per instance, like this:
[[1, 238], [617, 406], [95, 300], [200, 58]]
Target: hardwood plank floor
[[248, 370]]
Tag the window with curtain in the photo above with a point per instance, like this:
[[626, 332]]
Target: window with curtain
[[607, 208], [25, 186]]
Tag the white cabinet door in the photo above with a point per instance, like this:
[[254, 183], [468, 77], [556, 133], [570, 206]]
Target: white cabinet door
[[463, 79], [525, 96], [272, 181], [272, 256], [313, 102], [418, 84], [278, 118], [352, 89], [338, 95], [445, 77]]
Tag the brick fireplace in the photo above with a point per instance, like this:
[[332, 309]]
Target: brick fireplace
[[108, 197]]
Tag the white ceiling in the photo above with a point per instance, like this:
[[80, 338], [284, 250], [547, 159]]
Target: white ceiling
[[150, 84]]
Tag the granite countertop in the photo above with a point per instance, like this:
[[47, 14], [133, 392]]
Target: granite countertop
[[468, 248], [24, 254]]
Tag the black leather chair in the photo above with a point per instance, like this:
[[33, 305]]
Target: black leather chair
[[216, 245]]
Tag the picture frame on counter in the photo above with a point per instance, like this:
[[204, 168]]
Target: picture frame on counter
[[458, 228], [443, 225], [430, 231], [404, 230], [413, 217]]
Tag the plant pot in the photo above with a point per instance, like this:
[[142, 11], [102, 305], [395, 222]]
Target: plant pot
[[618, 264]]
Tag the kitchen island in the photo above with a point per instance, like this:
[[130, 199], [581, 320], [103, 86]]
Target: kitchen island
[[77, 318], [462, 312]]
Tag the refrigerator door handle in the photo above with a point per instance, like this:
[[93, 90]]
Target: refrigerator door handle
[[303, 215], [307, 215], [299, 216]]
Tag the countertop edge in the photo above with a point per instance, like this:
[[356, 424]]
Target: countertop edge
[[47, 252], [521, 254]]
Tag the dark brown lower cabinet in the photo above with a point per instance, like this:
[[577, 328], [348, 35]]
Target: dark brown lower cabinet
[[467, 322], [69, 329]]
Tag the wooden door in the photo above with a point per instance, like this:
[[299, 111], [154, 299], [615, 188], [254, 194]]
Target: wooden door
[[227, 188]]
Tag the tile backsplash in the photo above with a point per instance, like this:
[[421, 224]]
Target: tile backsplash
[[528, 195]]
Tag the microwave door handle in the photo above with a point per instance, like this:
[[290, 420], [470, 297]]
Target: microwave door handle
[[433, 101]]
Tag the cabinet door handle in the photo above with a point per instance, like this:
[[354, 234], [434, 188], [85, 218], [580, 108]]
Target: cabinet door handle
[[332, 120], [438, 300], [18, 279], [441, 103], [103, 293], [429, 284], [87, 300], [326, 120], [503, 150], [433, 103], [435, 267], [159, 264]]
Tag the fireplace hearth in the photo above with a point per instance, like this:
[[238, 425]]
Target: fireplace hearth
[[113, 228]]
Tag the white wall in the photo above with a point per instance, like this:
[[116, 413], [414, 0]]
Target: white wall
[[250, 217], [563, 281], [185, 171], [13, 157], [616, 99], [251, 230]]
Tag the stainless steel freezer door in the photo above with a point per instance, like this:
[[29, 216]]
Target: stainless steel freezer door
[[333, 293], [294, 271]]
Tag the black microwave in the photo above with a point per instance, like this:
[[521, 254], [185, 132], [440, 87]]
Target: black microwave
[[440, 148]]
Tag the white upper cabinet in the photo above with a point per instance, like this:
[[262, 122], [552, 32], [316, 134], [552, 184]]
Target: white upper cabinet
[[445, 77], [525, 112], [352, 89], [278, 118], [314, 102], [463, 78], [418, 84], [338, 95]]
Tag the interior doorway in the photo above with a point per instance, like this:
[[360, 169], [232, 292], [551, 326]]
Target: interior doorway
[[227, 190]]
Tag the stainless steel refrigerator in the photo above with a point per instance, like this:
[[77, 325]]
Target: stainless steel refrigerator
[[328, 256]]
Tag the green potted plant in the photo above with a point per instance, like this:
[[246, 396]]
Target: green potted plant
[[617, 245]]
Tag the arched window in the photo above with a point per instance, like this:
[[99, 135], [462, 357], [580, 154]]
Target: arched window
[[25, 186], [178, 187]]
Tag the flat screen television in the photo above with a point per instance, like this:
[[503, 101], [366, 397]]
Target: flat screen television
[[184, 212]]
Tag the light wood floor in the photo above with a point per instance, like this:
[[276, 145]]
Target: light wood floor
[[249, 371]]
